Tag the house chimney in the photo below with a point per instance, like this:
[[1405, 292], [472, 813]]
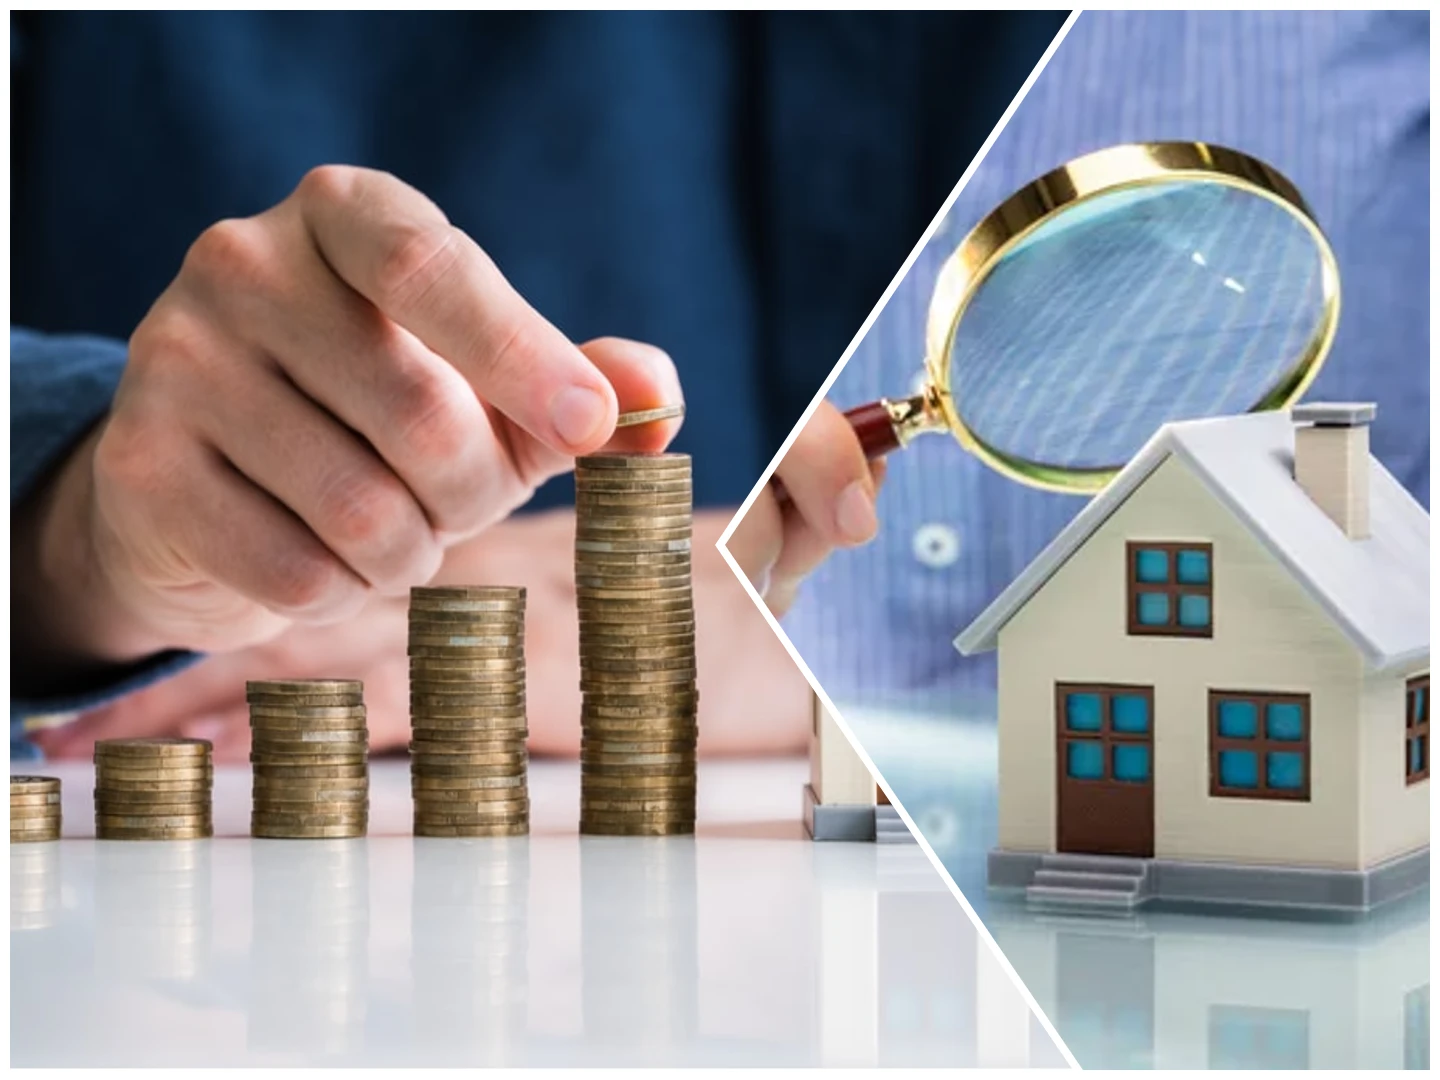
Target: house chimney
[[1332, 461]]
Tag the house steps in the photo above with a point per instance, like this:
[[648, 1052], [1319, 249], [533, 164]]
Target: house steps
[[890, 828], [1100, 884]]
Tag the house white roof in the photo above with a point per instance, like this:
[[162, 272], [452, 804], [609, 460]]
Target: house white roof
[[1376, 590]]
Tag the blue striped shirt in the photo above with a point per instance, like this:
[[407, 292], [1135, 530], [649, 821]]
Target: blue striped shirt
[[1339, 102]]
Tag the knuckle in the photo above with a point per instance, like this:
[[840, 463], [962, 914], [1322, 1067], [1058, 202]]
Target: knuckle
[[127, 458], [412, 262], [328, 184], [303, 578], [235, 251], [361, 511], [167, 336], [429, 419]]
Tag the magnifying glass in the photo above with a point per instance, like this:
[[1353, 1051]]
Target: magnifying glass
[[1129, 288]]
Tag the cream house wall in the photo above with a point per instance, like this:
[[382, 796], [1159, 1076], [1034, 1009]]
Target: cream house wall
[[1269, 636], [1395, 815], [837, 774]]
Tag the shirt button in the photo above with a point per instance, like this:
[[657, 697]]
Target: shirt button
[[936, 546]]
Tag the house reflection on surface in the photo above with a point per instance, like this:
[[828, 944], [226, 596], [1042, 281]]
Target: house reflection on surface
[[1175, 990]]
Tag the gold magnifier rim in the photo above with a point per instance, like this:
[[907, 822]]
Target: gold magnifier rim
[[1116, 168]]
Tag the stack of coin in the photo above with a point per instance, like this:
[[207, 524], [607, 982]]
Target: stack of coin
[[34, 808], [153, 789], [637, 644], [308, 749], [467, 711]]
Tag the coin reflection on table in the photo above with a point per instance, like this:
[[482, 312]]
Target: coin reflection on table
[[469, 959], [639, 945], [34, 886], [153, 916], [309, 960]]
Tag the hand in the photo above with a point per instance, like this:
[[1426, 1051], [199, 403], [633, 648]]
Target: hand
[[831, 489], [765, 712], [327, 397]]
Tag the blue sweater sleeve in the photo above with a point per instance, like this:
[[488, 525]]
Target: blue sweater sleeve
[[60, 387]]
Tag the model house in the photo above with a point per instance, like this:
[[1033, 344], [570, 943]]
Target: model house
[[842, 800], [1214, 683]]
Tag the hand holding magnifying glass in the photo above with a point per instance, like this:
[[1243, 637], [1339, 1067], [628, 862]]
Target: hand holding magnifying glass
[[1130, 288]]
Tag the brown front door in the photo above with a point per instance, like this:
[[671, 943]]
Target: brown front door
[[881, 797], [1104, 742]]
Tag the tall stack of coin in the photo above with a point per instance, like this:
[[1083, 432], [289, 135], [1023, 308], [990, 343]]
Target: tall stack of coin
[[467, 711], [308, 749], [153, 789], [637, 644], [34, 809]]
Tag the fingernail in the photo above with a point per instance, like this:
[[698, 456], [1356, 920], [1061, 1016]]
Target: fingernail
[[208, 727], [855, 513], [577, 412]]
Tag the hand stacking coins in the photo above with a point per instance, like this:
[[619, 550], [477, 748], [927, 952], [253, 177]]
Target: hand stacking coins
[[467, 711], [153, 789], [308, 751], [637, 644], [34, 809]]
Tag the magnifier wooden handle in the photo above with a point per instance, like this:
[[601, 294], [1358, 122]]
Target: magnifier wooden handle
[[874, 426]]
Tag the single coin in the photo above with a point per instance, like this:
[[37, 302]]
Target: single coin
[[513, 818], [630, 759], [590, 504], [273, 796], [34, 837], [652, 521], [618, 460], [169, 748], [480, 694], [302, 739], [287, 772], [633, 536], [478, 719], [440, 652], [272, 744], [307, 712], [199, 832], [479, 705], [34, 785], [169, 804], [519, 828], [613, 712], [634, 744], [594, 769], [468, 592], [475, 613], [151, 821], [635, 664], [623, 652], [441, 640], [640, 578], [304, 701], [618, 635], [603, 615], [632, 545], [305, 686], [429, 768], [616, 681], [263, 831], [106, 774], [605, 561], [675, 828], [263, 815], [36, 823], [264, 755], [650, 416], [678, 807], [112, 786]]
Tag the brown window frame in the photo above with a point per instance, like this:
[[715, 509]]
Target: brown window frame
[[1417, 729], [1260, 745], [1135, 588], [1107, 736]]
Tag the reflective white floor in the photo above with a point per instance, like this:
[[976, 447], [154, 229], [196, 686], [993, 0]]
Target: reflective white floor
[[746, 945], [1167, 989]]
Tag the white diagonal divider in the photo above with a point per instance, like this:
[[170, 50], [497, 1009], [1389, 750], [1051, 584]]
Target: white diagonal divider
[[1008, 1024]]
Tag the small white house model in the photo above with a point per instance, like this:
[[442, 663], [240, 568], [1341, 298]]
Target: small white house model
[[842, 800], [1214, 683]]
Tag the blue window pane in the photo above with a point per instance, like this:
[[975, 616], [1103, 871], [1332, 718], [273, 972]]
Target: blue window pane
[[1129, 713], [1419, 713], [1084, 760], [1416, 748], [1238, 719], [1192, 567], [1082, 712], [1239, 769], [1152, 609], [1152, 566], [1284, 771], [1285, 722], [1131, 763], [1194, 611]]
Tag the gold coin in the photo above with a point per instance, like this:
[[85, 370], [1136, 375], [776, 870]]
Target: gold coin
[[438, 652], [443, 820], [677, 807], [475, 721], [444, 782], [275, 797], [602, 682], [650, 416], [614, 712], [611, 615], [286, 702], [24, 802], [476, 701], [34, 837], [168, 805], [441, 639], [606, 459], [169, 748], [605, 561], [36, 823], [289, 773], [610, 744], [180, 787], [151, 821], [674, 828], [632, 545], [612, 651], [500, 593], [637, 665], [428, 768], [352, 687], [426, 665], [519, 828], [630, 759], [304, 737], [433, 754], [473, 613], [264, 816], [309, 832], [106, 774], [308, 712], [652, 521], [202, 831], [594, 769], [608, 781], [263, 756], [34, 785]]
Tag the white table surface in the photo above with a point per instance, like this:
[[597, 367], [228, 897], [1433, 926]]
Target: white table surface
[[747, 944], [1165, 989]]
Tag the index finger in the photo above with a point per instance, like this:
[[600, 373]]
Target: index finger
[[394, 247]]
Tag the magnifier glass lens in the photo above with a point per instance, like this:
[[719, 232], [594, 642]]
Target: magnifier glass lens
[[1132, 309]]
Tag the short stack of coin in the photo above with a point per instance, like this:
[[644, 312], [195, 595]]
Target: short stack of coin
[[467, 711], [153, 789], [308, 751], [637, 644], [34, 808]]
